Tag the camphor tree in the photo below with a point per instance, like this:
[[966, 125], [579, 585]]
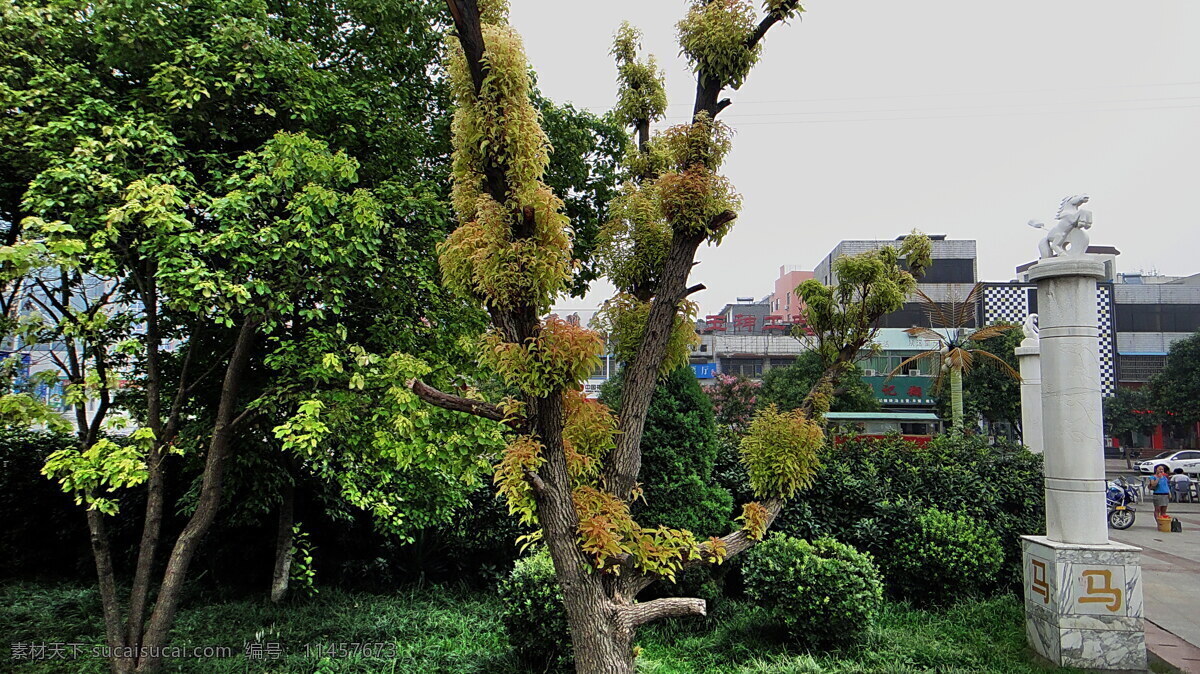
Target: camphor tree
[[571, 466]]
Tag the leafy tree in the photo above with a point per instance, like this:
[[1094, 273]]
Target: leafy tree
[[787, 387], [177, 190], [1130, 411], [958, 346], [1176, 390], [570, 466], [843, 319]]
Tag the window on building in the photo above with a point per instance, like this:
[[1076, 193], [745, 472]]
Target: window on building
[[1158, 317], [747, 367], [1141, 368], [960, 270]]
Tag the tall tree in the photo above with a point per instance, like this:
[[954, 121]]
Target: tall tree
[[1130, 411], [989, 391], [1176, 390], [842, 320], [169, 183], [571, 466]]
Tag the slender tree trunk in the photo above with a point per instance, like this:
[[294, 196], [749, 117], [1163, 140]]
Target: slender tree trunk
[[155, 483], [283, 545], [148, 547], [956, 400], [106, 578], [159, 625]]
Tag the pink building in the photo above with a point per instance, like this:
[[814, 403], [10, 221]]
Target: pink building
[[784, 301]]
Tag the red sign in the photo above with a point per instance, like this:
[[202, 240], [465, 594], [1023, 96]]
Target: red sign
[[745, 321]]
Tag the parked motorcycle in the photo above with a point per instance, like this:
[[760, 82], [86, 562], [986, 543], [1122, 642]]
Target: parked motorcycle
[[1120, 497]]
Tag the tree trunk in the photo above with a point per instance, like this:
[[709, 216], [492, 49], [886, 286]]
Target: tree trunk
[[152, 525], [151, 529], [170, 591], [956, 400], [283, 545], [106, 577]]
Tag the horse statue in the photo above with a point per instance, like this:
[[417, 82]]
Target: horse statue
[[1068, 236]]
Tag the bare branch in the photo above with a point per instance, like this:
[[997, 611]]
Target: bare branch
[[721, 219], [694, 289], [632, 615], [455, 403]]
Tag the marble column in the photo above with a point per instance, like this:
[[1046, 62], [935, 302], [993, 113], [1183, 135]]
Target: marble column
[[1029, 358], [1083, 593], [1072, 432]]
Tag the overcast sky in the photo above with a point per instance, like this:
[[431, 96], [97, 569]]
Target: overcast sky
[[867, 118]]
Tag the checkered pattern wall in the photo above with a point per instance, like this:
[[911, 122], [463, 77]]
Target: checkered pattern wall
[[1011, 302]]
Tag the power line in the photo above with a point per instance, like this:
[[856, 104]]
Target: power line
[[605, 108]]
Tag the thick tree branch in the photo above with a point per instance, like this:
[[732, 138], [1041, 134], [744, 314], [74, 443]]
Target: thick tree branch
[[769, 20], [633, 615], [455, 403], [470, 35], [721, 219], [694, 289]]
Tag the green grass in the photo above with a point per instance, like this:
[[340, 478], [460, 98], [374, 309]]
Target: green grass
[[440, 630]]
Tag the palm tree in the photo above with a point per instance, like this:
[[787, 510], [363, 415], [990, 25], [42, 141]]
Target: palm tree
[[957, 346]]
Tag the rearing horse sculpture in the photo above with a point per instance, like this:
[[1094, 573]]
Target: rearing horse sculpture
[[1068, 236]]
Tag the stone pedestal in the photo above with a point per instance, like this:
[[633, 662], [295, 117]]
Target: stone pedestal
[[1083, 595], [1083, 604], [1029, 358], [1072, 431]]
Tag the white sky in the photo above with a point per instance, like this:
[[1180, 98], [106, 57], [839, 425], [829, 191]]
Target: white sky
[[867, 118]]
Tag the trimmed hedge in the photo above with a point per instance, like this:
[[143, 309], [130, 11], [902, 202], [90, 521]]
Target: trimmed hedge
[[868, 492], [823, 593], [944, 557], [534, 616]]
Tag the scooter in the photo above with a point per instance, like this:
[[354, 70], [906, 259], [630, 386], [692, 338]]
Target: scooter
[[1120, 497]]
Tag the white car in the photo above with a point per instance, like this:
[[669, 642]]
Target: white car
[[1187, 459]]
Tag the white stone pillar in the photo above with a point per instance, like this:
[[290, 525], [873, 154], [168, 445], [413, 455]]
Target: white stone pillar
[[1073, 439], [1028, 356], [1083, 594]]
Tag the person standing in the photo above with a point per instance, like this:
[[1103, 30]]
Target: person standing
[[1160, 485]]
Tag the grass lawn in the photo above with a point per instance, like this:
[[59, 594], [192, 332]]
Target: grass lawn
[[441, 630]]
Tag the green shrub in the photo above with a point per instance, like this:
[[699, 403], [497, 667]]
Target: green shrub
[[943, 557], [824, 593], [534, 616], [867, 491]]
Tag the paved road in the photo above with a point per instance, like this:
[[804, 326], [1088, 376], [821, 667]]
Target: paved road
[[1170, 579]]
